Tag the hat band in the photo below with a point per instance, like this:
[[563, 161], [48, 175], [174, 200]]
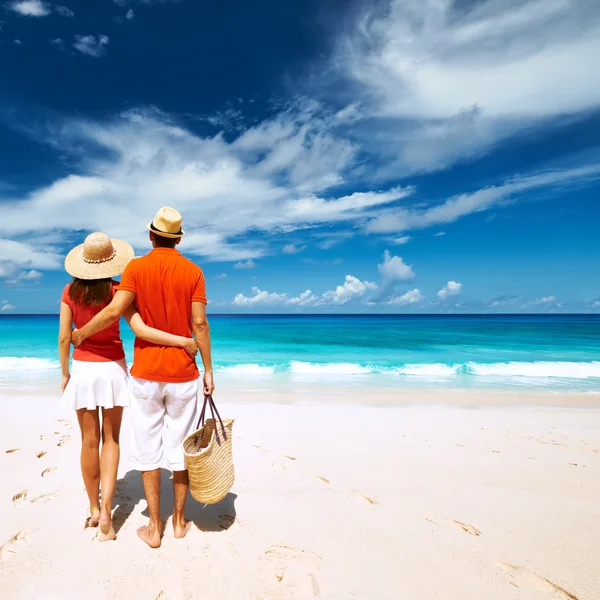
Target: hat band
[[153, 227], [97, 261]]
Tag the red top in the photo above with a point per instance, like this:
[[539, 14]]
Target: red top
[[104, 346], [165, 284]]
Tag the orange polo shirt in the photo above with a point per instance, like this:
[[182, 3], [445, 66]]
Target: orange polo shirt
[[165, 284]]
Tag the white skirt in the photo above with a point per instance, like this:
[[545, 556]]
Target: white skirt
[[95, 384]]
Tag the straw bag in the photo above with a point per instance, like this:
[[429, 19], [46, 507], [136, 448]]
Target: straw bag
[[209, 457]]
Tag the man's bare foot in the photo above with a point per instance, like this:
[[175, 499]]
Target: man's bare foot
[[93, 519], [180, 529], [150, 535]]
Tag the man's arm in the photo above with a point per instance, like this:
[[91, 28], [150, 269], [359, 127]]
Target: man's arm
[[202, 335], [106, 317]]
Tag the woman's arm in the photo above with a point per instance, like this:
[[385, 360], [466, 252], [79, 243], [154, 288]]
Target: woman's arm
[[64, 342], [156, 336]]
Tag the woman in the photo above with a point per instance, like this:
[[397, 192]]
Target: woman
[[99, 377]]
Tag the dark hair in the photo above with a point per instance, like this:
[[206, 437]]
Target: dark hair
[[90, 292], [160, 241]]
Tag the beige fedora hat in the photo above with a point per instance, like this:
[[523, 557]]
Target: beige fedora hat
[[99, 257], [167, 223]]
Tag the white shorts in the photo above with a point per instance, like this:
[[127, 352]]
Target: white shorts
[[95, 384], [162, 416]]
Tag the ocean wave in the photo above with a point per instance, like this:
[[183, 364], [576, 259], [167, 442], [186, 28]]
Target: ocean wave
[[304, 368], [424, 370], [249, 369], [27, 363], [565, 370]]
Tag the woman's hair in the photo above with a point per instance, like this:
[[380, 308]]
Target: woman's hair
[[90, 292]]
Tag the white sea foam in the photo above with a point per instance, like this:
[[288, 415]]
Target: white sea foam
[[425, 370], [304, 368], [27, 363], [249, 369], [566, 370]]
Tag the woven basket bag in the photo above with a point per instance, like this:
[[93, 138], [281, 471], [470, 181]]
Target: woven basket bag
[[209, 457]]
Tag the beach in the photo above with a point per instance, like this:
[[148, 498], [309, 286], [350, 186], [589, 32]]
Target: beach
[[336, 496]]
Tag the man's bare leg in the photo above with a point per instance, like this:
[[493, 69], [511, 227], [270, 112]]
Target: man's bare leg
[[152, 532], [180, 490]]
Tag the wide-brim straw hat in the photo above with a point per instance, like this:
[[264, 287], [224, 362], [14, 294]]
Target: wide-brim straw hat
[[167, 223], [99, 257]]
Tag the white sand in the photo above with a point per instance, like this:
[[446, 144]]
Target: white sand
[[337, 501]]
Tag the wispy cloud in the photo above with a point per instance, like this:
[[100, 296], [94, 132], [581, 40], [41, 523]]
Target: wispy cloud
[[91, 45], [31, 8], [248, 264], [130, 15], [7, 306], [441, 80], [65, 11]]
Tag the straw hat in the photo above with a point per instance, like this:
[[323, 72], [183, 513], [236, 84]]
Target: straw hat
[[167, 223], [99, 257]]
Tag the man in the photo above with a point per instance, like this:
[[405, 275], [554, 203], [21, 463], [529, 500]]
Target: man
[[169, 291]]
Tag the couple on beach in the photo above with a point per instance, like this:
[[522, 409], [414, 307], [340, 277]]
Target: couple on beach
[[162, 296]]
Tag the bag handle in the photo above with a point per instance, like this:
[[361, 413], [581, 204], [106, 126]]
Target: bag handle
[[213, 409]]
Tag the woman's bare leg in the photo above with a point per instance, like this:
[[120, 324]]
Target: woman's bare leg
[[89, 424], [109, 465]]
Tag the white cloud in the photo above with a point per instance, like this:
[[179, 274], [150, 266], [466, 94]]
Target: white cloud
[[249, 264], [306, 298], [7, 306], [259, 297], [91, 45], [450, 289], [351, 289], [293, 249], [65, 11], [545, 302], [31, 8], [399, 241], [408, 298], [18, 42], [394, 269], [404, 219], [504, 301], [32, 275], [15, 255], [130, 15], [439, 234], [222, 276], [443, 80]]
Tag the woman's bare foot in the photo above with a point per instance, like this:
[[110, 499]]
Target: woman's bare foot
[[107, 531], [180, 529], [150, 535], [94, 518]]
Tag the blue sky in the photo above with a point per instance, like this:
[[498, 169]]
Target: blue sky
[[327, 156]]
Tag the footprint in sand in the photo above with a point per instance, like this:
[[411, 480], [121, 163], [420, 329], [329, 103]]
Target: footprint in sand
[[12, 450], [48, 471], [11, 546], [20, 497], [40, 454], [362, 496], [470, 529], [63, 440], [44, 498], [522, 577], [289, 457], [494, 451], [290, 571], [322, 479], [259, 448]]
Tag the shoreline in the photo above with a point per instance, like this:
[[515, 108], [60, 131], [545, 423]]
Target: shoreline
[[378, 397]]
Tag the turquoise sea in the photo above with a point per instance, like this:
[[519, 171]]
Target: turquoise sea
[[520, 352]]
